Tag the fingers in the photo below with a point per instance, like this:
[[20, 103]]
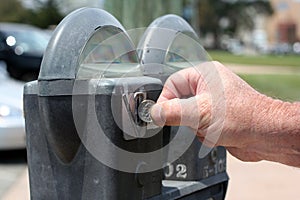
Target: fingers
[[191, 81], [167, 113], [186, 100], [183, 84], [177, 86], [194, 112]]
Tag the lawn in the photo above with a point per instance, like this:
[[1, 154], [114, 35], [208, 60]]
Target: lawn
[[273, 60], [285, 87]]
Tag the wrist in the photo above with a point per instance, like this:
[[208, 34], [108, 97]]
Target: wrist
[[276, 125]]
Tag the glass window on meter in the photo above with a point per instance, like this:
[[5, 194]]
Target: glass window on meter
[[185, 51], [109, 53]]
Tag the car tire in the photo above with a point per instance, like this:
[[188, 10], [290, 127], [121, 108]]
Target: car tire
[[22, 75], [13, 72]]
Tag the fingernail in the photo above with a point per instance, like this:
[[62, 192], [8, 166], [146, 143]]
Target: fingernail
[[157, 115]]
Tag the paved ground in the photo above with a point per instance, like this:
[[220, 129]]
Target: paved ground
[[248, 181], [250, 69], [262, 180], [12, 165], [20, 189]]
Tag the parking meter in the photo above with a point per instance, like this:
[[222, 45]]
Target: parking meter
[[89, 133], [169, 45], [70, 157]]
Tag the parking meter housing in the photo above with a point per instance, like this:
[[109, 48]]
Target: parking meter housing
[[61, 165], [157, 46]]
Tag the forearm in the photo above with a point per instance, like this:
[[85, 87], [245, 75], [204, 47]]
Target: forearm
[[276, 125]]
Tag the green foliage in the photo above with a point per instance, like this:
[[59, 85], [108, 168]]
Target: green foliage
[[140, 13], [45, 14], [238, 13], [12, 11]]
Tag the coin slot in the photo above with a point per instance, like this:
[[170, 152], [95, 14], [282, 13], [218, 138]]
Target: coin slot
[[144, 110], [139, 97]]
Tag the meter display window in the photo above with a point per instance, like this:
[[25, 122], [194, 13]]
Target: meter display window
[[109, 53], [185, 51]]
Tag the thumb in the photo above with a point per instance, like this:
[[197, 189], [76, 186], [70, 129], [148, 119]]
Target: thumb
[[193, 112]]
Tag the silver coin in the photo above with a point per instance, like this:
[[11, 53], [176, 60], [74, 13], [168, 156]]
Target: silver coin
[[144, 110]]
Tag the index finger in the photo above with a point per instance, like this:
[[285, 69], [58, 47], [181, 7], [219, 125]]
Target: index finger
[[183, 84]]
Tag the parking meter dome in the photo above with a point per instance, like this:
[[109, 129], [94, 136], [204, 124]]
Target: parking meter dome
[[171, 42], [60, 61]]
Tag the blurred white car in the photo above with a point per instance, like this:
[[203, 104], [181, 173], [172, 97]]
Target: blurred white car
[[12, 124]]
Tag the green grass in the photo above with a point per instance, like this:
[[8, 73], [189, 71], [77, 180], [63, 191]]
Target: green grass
[[285, 87], [273, 60]]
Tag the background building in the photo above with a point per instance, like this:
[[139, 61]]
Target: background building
[[284, 25]]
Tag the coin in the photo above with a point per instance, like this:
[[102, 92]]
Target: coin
[[144, 110]]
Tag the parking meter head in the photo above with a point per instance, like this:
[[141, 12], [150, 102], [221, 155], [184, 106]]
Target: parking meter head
[[68, 39], [59, 70], [168, 45]]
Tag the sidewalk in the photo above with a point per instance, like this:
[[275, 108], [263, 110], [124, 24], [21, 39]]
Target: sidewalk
[[251, 69], [248, 181], [262, 180], [20, 189]]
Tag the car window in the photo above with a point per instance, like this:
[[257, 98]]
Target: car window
[[2, 44], [28, 41]]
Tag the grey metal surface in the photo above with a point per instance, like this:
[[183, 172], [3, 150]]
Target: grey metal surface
[[61, 57], [181, 189], [61, 167], [91, 86]]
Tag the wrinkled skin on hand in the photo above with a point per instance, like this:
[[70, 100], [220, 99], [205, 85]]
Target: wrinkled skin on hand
[[230, 113]]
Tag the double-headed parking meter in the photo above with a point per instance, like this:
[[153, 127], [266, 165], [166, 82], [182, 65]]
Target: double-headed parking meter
[[89, 132]]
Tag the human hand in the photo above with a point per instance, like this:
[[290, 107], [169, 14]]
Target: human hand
[[222, 109]]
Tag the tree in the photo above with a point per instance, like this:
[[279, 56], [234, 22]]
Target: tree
[[12, 11], [140, 13], [46, 13], [236, 14]]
